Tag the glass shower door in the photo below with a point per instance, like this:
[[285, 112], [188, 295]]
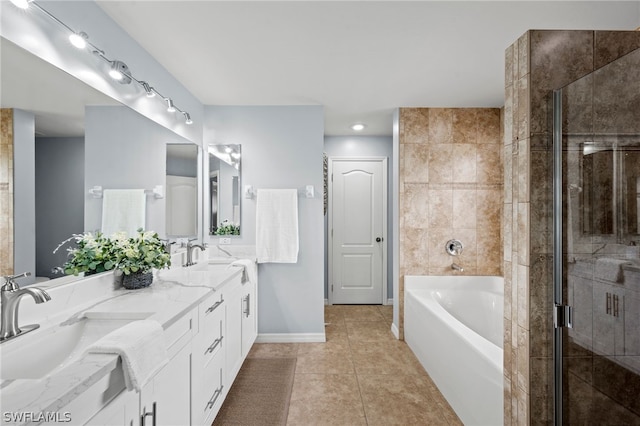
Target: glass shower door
[[597, 238]]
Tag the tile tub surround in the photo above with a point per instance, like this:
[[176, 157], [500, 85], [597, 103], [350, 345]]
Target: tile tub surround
[[172, 294], [451, 186], [537, 63], [6, 191]]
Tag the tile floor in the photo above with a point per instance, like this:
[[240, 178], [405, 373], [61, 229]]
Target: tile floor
[[362, 375]]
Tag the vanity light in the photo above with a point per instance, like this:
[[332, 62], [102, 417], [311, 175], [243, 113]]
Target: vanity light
[[118, 70], [79, 40], [22, 4], [228, 150], [170, 106], [358, 127]]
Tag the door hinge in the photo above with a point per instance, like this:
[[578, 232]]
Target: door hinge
[[562, 316]]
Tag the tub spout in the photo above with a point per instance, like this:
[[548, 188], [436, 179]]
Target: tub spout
[[457, 267]]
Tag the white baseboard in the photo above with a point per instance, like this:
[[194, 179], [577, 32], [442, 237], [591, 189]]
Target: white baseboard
[[395, 331], [291, 338], [326, 301]]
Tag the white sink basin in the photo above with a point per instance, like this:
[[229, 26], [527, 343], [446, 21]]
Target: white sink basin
[[221, 260], [42, 352]]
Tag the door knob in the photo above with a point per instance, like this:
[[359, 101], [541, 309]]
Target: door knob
[[378, 239]]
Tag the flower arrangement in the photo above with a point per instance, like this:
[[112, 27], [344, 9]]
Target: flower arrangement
[[227, 228], [96, 253]]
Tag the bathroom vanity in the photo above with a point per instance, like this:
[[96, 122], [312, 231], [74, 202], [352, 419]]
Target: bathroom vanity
[[208, 314]]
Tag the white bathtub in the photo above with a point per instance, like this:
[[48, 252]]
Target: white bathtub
[[453, 324]]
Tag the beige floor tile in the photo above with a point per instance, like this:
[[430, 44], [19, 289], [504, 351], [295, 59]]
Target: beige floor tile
[[273, 350], [387, 312], [333, 315], [399, 400], [369, 331], [393, 357], [325, 363], [362, 313], [325, 399], [337, 344]]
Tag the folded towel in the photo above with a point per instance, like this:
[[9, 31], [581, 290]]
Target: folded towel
[[123, 210], [277, 225], [609, 269], [250, 269], [142, 348]]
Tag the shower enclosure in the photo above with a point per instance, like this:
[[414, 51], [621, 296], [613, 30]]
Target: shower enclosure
[[596, 122]]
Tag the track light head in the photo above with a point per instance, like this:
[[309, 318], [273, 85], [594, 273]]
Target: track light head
[[170, 106], [79, 40], [120, 72], [148, 89], [22, 4], [187, 118]]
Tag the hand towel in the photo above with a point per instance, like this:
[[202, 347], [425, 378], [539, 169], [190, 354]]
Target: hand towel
[[250, 269], [277, 225], [609, 269], [123, 210], [141, 347]]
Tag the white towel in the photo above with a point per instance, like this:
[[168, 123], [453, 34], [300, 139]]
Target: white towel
[[250, 269], [277, 226], [142, 348], [123, 210], [609, 269]]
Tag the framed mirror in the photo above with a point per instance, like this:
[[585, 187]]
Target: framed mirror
[[224, 189], [182, 190]]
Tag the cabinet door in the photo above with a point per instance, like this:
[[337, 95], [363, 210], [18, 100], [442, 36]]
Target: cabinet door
[[631, 330], [234, 333], [249, 317], [604, 322], [167, 397], [123, 410]]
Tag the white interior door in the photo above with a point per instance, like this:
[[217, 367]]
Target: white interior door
[[357, 230], [182, 201]]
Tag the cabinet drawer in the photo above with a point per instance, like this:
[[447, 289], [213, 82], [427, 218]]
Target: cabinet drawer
[[211, 313], [179, 333], [214, 391]]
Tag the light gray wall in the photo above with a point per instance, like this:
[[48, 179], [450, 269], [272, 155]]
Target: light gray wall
[[180, 166], [124, 150], [24, 200], [281, 148], [364, 146], [59, 203]]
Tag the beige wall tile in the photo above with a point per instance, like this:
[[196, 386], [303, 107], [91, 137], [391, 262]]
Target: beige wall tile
[[465, 125], [440, 163], [440, 125], [416, 163], [415, 206], [415, 124], [489, 164], [464, 163], [440, 208], [489, 129], [464, 208]]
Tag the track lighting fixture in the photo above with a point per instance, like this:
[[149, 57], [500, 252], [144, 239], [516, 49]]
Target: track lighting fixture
[[118, 70]]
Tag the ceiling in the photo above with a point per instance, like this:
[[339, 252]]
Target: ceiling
[[358, 59]]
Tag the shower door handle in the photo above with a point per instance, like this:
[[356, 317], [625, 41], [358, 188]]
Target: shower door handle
[[378, 239]]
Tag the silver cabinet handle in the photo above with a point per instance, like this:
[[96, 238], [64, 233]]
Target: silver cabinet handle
[[214, 345], [615, 305], [214, 306], [608, 303], [247, 308], [215, 397], [144, 415]]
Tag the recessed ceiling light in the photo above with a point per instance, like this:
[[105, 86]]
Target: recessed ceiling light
[[79, 40], [358, 127]]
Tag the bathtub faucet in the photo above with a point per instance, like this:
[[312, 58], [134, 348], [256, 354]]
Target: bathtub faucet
[[457, 267]]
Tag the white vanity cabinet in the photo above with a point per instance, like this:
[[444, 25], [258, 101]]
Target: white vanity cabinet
[[249, 317]]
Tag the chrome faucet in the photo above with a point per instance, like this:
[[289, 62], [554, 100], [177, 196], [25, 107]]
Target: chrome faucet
[[457, 267], [190, 248], [10, 295]]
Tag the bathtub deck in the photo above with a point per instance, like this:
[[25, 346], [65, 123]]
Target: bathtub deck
[[362, 375]]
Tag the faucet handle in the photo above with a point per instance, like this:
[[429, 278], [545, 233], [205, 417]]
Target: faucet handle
[[9, 283]]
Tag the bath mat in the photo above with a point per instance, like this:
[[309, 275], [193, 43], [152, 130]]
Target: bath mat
[[260, 394]]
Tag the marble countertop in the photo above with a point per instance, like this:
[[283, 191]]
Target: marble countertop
[[173, 294]]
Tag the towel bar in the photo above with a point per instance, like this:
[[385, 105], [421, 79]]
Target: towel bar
[[308, 191], [157, 191]]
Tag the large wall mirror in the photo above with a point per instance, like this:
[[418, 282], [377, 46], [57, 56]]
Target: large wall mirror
[[126, 151], [224, 189], [182, 190]]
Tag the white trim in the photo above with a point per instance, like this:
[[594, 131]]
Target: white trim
[[385, 197], [291, 338], [389, 302], [326, 301], [395, 331]]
